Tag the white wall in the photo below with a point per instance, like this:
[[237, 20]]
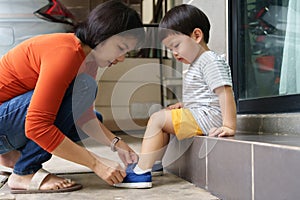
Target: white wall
[[216, 12], [147, 11]]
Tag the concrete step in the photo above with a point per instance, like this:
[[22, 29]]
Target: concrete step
[[245, 167]]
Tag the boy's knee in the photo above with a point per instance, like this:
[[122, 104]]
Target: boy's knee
[[158, 117]]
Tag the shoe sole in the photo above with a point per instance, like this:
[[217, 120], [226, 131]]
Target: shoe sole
[[158, 173], [139, 185]]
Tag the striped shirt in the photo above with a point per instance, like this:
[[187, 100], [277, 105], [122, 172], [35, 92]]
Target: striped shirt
[[205, 74]]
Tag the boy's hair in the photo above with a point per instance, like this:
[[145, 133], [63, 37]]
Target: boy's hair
[[184, 19], [108, 19]]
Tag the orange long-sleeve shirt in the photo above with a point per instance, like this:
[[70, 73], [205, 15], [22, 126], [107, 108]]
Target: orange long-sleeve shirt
[[47, 64]]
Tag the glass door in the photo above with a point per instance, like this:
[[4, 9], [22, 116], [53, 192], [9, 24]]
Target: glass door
[[265, 54]]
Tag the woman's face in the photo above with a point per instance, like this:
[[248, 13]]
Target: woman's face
[[184, 48], [113, 50]]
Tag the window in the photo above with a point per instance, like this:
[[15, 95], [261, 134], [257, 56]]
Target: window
[[265, 54]]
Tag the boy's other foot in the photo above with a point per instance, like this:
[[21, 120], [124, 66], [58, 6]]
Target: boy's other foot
[[157, 169], [133, 180]]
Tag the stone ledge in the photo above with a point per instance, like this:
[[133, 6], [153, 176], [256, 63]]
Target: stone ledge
[[270, 124]]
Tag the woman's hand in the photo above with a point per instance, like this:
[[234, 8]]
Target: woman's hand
[[175, 106], [221, 132], [126, 154], [110, 171]]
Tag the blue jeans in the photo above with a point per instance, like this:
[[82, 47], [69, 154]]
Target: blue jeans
[[12, 123]]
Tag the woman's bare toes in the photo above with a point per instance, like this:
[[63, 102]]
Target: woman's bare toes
[[51, 182]]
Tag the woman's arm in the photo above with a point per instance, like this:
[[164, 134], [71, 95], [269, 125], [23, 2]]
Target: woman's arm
[[228, 109], [95, 129], [109, 171]]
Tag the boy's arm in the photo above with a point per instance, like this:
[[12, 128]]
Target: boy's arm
[[228, 109]]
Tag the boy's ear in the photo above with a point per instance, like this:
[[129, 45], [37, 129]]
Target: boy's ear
[[197, 35]]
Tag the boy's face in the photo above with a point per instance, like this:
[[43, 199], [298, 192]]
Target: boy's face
[[184, 48], [113, 50]]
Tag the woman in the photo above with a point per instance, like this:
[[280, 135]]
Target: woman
[[46, 99]]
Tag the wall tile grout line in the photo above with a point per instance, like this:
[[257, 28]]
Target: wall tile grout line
[[252, 170]]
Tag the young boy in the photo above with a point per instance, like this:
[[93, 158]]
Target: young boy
[[208, 106]]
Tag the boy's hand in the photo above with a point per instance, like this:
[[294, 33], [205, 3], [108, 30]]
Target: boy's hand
[[221, 132], [175, 106]]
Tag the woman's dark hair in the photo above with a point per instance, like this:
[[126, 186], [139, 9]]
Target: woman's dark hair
[[184, 19], [108, 19]]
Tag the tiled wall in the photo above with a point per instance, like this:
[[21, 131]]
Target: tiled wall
[[239, 170]]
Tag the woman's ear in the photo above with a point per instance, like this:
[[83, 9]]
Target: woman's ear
[[197, 35]]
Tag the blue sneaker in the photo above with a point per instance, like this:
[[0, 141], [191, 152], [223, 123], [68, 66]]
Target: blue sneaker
[[157, 169], [133, 180]]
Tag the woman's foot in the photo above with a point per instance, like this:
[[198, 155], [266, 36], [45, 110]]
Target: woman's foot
[[9, 159], [51, 182]]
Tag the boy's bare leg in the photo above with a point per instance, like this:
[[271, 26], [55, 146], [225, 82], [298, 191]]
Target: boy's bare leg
[[156, 138]]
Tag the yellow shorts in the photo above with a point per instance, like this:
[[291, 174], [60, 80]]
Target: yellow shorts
[[184, 124]]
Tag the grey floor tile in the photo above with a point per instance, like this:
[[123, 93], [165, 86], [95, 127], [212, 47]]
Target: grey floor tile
[[229, 169], [276, 173], [175, 157], [194, 167]]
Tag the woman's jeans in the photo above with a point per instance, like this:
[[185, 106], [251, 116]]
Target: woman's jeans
[[12, 123]]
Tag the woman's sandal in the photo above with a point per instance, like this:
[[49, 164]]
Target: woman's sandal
[[36, 181], [4, 177]]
